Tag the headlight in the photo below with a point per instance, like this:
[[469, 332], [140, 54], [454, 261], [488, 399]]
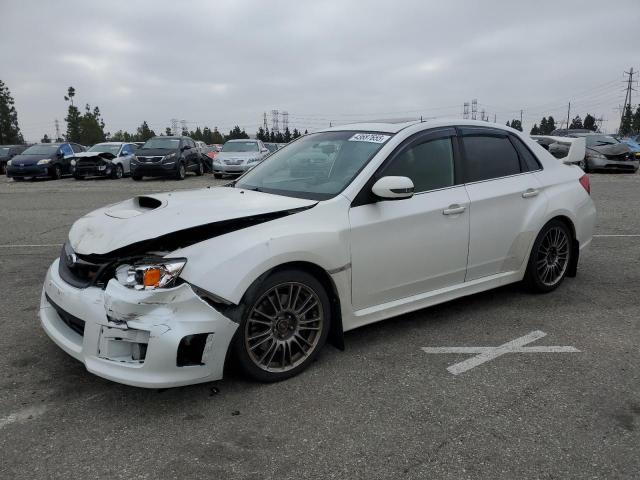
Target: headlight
[[9, 163], [44, 161], [596, 155], [254, 160], [151, 275], [168, 157], [73, 163]]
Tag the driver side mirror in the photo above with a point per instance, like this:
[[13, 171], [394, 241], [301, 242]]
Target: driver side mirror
[[393, 188]]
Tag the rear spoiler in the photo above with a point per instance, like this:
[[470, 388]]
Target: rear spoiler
[[577, 147]]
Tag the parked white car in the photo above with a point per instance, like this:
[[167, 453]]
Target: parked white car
[[238, 156], [338, 229]]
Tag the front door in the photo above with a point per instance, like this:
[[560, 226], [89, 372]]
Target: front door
[[401, 248]]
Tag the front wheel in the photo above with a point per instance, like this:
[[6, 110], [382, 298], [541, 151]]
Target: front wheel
[[181, 172], [56, 172], [284, 322], [135, 177], [217, 175], [118, 172], [200, 169], [550, 257]]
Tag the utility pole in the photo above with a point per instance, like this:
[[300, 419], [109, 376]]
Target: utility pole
[[264, 121], [474, 109], [285, 120], [520, 117], [495, 118], [57, 125], [568, 114], [465, 111], [627, 97]]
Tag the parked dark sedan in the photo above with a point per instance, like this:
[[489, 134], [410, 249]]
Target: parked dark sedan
[[167, 156], [603, 152], [7, 152], [50, 160]]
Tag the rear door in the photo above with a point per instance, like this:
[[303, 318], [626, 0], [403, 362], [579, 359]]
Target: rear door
[[505, 198], [401, 248]]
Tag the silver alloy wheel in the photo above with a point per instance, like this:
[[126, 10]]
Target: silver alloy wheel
[[284, 327], [552, 256], [119, 172]]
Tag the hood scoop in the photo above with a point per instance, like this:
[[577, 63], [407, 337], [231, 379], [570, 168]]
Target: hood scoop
[[134, 207]]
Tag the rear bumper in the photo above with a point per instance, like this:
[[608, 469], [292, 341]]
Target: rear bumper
[[107, 329], [30, 171]]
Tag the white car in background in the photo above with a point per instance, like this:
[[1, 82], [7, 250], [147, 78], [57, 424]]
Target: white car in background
[[238, 156], [341, 228], [106, 159]]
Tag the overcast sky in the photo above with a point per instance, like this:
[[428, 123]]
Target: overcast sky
[[221, 63]]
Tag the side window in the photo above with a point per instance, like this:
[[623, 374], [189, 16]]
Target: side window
[[190, 143], [66, 150], [126, 149], [429, 165], [489, 157], [529, 161], [76, 148]]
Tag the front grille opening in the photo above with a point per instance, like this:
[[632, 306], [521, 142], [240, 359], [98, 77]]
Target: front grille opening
[[191, 349], [74, 323]]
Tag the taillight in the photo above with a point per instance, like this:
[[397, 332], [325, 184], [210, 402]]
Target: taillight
[[584, 181]]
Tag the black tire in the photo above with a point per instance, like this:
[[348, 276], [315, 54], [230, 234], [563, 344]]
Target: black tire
[[18, 179], [135, 177], [181, 171], [78, 177], [544, 257], [217, 175], [200, 169], [586, 166], [118, 172], [245, 356], [56, 172]]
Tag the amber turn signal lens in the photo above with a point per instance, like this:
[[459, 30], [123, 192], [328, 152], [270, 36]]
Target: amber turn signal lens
[[152, 277]]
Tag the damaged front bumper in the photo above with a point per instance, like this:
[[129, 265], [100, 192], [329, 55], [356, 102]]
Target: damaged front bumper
[[145, 338]]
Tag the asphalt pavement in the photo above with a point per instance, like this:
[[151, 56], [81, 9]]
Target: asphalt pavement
[[382, 409]]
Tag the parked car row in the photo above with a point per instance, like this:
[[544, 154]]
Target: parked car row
[[161, 156]]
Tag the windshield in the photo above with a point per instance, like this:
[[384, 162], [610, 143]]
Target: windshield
[[4, 150], [595, 140], [166, 143], [41, 150], [317, 166], [105, 148], [240, 147]]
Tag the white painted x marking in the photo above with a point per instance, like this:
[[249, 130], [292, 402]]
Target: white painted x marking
[[484, 354]]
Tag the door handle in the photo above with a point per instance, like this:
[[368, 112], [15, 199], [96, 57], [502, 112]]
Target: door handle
[[453, 209], [530, 192]]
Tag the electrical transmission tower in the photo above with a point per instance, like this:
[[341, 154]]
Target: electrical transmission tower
[[275, 118], [465, 111], [627, 97], [183, 124], [285, 120], [265, 126], [174, 126], [474, 109]]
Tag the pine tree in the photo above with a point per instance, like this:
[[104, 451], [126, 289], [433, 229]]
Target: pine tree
[[306, 132], [551, 125], [9, 128], [590, 122], [267, 136], [576, 122], [534, 130], [287, 135], [635, 123], [296, 133], [543, 129], [144, 133], [168, 132], [272, 137], [627, 122], [515, 124], [260, 134], [72, 118], [217, 137], [508, 124], [45, 139]]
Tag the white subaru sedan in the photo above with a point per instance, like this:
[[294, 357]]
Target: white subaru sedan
[[339, 229]]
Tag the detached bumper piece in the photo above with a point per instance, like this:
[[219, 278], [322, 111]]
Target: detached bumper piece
[[145, 338]]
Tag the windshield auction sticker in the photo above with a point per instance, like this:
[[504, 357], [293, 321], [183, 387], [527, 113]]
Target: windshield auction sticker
[[369, 137]]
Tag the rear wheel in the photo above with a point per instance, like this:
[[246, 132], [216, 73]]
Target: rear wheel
[[78, 177], [284, 322], [200, 169], [137, 178], [18, 179], [217, 175], [118, 172], [550, 257]]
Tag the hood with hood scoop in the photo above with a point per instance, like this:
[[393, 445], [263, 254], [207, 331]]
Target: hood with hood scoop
[[172, 220]]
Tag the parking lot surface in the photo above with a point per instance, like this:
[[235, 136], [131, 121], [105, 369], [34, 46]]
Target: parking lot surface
[[383, 408]]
